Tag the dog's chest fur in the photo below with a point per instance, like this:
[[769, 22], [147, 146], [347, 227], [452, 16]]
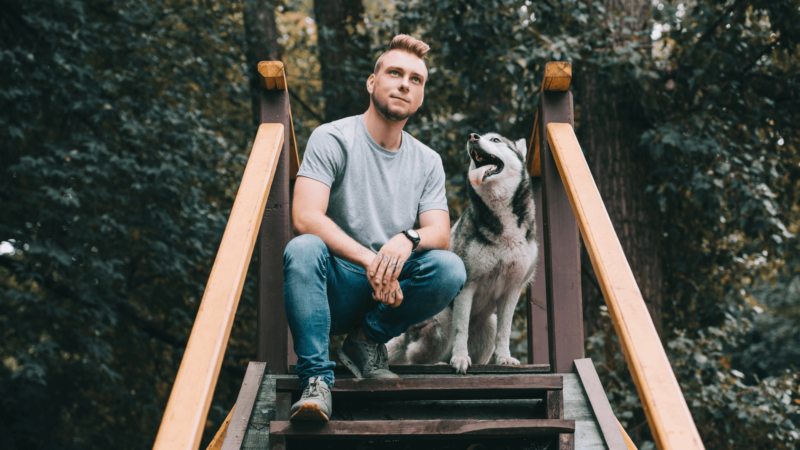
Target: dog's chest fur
[[496, 239]]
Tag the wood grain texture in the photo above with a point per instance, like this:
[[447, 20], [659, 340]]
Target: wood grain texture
[[216, 443], [668, 415], [264, 412], [445, 369], [602, 409], [536, 294], [557, 76], [441, 388], [245, 401], [275, 233], [533, 160], [566, 442], [555, 405], [187, 408], [561, 246], [273, 77], [421, 428]]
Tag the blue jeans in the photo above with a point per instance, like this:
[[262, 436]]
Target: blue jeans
[[326, 295]]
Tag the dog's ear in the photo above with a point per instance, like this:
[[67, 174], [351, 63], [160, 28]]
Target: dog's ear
[[521, 146]]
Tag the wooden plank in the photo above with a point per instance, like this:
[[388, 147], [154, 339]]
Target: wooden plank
[[668, 415], [264, 412], [216, 443], [555, 404], [628, 441], [273, 76], [185, 416], [536, 294], [445, 369], [421, 429], [464, 388], [557, 76], [244, 406], [533, 160], [566, 442], [602, 409], [561, 246], [275, 233]]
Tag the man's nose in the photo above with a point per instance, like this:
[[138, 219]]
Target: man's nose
[[473, 137]]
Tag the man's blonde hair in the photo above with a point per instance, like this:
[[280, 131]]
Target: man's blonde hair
[[405, 43]]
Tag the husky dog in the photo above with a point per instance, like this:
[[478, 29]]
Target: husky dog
[[496, 239]]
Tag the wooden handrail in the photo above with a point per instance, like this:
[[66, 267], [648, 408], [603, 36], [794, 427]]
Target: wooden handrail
[[557, 77], [667, 413], [273, 76], [185, 417]]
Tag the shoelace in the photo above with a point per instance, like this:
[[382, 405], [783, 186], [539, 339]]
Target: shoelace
[[313, 387]]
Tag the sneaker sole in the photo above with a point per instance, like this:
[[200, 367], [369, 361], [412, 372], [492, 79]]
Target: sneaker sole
[[351, 366], [310, 411]]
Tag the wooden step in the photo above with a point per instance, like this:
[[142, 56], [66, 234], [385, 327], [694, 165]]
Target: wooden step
[[420, 429], [440, 388], [445, 369]]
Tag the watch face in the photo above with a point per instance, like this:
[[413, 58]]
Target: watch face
[[413, 234]]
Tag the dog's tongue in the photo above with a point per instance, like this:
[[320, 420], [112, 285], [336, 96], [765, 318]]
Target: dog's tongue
[[476, 176]]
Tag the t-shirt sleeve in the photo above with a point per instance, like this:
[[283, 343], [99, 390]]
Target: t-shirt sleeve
[[434, 194], [324, 157]]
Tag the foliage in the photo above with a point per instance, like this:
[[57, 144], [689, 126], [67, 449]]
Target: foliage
[[123, 130]]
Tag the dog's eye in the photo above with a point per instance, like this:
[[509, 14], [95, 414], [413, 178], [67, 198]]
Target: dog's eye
[[496, 140]]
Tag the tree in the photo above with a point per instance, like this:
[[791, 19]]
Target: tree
[[343, 55]]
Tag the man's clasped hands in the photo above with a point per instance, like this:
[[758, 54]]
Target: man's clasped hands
[[385, 269]]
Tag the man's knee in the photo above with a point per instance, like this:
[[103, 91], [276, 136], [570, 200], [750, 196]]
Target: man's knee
[[305, 250], [451, 273]]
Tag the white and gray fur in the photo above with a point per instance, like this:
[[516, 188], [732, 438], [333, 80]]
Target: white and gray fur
[[496, 238]]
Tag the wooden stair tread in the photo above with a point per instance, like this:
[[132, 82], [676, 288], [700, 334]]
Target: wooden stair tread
[[445, 369], [422, 428], [440, 388]]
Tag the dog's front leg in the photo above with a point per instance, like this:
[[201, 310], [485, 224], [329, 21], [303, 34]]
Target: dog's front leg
[[462, 307], [505, 316]]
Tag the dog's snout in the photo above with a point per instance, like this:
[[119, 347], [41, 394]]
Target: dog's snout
[[473, 137]]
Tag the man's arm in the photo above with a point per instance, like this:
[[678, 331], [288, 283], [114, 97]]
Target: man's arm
[[434, 232], [310, 204]]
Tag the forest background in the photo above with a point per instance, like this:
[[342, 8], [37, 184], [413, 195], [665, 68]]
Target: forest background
[[125, 126]]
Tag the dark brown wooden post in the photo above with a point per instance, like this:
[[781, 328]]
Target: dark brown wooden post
[[561, 245], [538, 347], [274, 346]]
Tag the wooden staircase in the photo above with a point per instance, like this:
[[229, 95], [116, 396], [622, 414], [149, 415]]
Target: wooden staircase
[[558, 402]]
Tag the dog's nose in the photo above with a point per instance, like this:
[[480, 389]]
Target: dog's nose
[[473, 137]]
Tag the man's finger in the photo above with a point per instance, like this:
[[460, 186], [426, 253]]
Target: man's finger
[[397, 269], [373, 267], [398, 297], [379, 274]]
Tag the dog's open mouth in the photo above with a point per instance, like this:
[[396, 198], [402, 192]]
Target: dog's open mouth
[[486, 165]]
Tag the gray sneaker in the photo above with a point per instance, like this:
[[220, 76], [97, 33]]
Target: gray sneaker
[[367, 359], [316, 402]]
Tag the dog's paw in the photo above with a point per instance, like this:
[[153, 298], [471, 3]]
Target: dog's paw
[[507, 360], [460, 363]]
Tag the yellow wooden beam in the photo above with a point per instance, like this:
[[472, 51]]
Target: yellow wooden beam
[[273, 76], [533, 159], [628, 442], [667, 414], [219, 438], [185, 416]]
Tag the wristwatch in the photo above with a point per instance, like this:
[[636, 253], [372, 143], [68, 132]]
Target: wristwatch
[[412, 236]]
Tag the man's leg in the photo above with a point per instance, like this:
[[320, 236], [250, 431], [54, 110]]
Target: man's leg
[[430, 281], [305, 296]]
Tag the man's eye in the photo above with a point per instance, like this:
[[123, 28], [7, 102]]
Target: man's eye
[[417, 80], [394, 72]]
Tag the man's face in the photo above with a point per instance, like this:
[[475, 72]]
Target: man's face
[[398, 88]]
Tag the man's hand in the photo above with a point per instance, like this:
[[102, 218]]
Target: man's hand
[[386, 267]]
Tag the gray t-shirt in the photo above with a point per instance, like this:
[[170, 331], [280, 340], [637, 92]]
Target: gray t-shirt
[[375, 193]]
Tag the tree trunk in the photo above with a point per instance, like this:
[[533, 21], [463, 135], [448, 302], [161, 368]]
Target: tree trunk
[[261, 34], [609, 126], [344, 57]]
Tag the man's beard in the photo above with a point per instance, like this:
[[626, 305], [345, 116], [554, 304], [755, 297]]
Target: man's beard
[[390, 115]]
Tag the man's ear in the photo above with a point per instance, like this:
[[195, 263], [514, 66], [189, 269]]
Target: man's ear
[[371, 83]]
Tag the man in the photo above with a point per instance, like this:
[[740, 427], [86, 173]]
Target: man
[[358, 266]]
